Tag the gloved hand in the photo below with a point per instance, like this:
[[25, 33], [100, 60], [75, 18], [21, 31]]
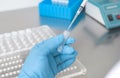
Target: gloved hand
[[44, 61]]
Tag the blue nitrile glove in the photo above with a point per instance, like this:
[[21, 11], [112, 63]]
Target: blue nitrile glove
[[44, 61]]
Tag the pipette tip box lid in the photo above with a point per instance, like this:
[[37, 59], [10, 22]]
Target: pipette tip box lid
[[63, 10]]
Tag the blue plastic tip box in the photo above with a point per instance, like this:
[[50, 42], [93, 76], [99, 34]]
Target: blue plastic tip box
[[50, 9]]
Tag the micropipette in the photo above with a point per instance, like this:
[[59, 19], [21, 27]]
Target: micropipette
[[66, 33]]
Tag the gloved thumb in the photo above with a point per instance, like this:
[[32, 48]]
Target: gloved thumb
[[54, 43]]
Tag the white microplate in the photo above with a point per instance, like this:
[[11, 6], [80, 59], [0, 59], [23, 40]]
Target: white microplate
[[75, 70]]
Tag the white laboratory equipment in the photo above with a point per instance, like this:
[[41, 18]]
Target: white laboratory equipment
[[106, 12]]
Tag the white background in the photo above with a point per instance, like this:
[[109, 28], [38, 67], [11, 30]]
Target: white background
[[8, 5]]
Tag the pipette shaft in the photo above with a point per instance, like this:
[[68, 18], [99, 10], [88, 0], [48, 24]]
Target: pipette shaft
[[66, 33], [77, 13]]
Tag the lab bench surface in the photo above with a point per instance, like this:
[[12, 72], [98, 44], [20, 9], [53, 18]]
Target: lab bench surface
[[98, 49]]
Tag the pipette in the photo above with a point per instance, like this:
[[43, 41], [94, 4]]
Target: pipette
[[66, 33]]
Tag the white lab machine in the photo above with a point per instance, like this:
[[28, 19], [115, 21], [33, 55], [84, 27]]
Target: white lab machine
[[106, 12]]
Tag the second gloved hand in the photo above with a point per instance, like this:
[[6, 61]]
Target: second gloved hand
[[44, 61]]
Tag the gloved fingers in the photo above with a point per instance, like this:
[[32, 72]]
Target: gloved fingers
[[70, 41], [56, 54], [51, 44], [65, 64], [66, 50], [54, 42], [64, 57]]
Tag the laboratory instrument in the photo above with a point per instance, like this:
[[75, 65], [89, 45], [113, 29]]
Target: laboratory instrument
[[68, 30], [15, 46], [63, 9], [106, 12]]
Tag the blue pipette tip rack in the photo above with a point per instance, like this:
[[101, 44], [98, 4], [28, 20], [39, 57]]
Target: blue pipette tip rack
[[59, 10]]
